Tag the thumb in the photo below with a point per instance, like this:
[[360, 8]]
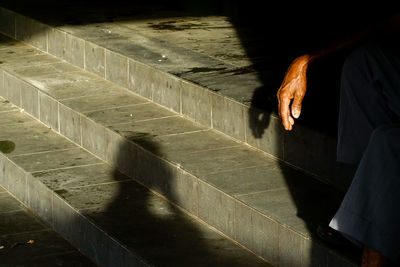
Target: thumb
[[296, 105]]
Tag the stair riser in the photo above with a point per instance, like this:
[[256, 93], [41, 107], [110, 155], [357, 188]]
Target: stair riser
[[190, 100], [262, 235], [64, 219], [182, 188]]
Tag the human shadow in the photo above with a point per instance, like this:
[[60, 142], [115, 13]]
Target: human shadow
[[267, 35], [151, 226]]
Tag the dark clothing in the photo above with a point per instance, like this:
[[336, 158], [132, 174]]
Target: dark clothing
[[370, 97], [369, 134]]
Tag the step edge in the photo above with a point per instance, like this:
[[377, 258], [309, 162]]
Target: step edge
[[171, 165], [46, 213], [328, 173]]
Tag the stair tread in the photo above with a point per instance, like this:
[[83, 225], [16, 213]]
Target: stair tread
[[208, 68], [269, 187], [194, 148], [18, 226], [124, 209], [213, 50]]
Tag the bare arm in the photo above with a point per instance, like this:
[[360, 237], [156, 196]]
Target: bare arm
[[294, 86]]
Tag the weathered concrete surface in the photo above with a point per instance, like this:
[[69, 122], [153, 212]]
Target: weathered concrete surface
[[204, 66], [188, 163], [107, 215], [18, 226]]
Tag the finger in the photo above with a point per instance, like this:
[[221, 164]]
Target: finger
[[279, 109], [279, 103], [284, 111], [296, 105], [291, 120]]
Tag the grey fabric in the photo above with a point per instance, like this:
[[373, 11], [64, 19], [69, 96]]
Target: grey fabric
[[369, 134]]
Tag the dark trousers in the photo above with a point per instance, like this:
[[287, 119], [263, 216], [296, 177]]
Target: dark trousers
[[369, 135]]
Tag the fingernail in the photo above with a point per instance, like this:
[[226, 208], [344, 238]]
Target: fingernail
[[296, 113]]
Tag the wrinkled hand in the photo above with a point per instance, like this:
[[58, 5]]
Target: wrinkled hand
[[292, 90]]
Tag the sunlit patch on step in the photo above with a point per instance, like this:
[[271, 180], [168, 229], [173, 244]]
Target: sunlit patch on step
[[158, 207]]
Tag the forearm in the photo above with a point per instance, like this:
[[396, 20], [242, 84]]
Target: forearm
[[338, 46], [379, 30]]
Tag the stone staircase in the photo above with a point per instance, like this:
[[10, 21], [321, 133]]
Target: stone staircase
[[26, 241], [140, 151]]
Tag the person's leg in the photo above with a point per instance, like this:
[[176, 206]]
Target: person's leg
[[369, 212], [370, 97]]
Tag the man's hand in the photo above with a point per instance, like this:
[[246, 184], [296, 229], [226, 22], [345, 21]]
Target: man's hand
[[293, 87]]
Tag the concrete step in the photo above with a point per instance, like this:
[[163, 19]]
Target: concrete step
[[109, 217], [25, 240], [252, 198], [203, 68]]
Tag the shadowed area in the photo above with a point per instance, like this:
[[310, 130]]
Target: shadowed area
[[235, 49], [7, 146], [261, 41], [26, 241], [156, 229]]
